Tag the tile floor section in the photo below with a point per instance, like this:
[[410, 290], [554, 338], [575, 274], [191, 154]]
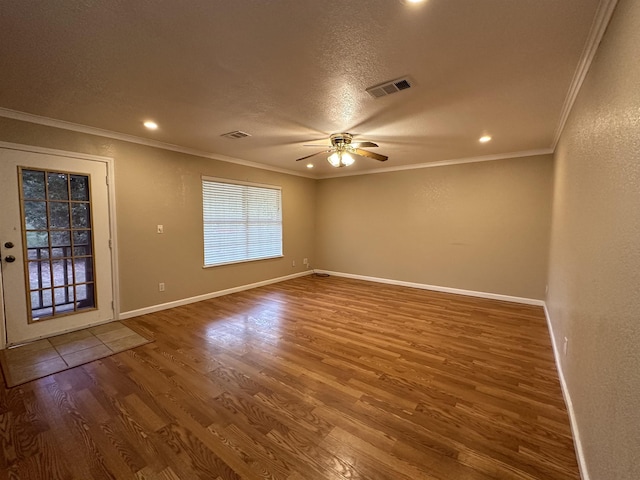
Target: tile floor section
[[52, 355]]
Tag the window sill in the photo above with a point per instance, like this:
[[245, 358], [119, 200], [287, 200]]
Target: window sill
[[242, 261]]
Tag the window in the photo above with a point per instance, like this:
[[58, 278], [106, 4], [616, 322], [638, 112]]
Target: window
[[56, 219], [242, 221]]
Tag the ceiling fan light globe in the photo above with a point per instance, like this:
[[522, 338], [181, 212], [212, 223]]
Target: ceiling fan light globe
[[334, 159], [347, 159]]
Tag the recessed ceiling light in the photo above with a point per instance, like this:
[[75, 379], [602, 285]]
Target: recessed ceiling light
[[485, 139], [151, 125], [309, 165]]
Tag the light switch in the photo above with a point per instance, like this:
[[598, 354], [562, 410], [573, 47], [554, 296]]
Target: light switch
[[160, 228]]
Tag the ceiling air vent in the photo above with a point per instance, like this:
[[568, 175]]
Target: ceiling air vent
[[236, 134], [388, 88]]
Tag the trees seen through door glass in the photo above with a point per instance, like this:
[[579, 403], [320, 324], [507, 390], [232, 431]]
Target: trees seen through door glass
[[58, 246]]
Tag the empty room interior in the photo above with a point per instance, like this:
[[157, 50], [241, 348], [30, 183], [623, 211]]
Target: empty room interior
[[384, 239]]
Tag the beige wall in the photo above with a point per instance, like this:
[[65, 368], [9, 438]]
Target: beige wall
[[481, 227], [155, 186], [477, 226], [594, 274]]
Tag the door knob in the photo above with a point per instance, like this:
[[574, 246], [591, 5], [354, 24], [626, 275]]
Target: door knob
[[10, 259], [8, 245]]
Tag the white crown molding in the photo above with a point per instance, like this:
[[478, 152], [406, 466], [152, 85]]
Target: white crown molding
[[52, 122], [435, 288], [598, 29], [577, 441], [445, 163], [207, 296], [75, 127]]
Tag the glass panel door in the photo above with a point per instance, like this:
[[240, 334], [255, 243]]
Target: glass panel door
[[56, 263]]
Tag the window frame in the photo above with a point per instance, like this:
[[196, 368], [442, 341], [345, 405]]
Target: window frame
[[226, 181]]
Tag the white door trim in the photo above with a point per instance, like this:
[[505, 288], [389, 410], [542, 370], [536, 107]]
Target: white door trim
[[111, 190]]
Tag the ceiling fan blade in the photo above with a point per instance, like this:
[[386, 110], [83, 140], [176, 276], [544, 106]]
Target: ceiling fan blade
[[375, 156], [364, 144], [318, 146], [312, 155]]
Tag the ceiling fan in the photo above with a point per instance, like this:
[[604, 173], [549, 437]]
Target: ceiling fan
[[342, 150]]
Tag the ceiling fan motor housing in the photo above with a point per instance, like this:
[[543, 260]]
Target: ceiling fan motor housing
[[341, 139]]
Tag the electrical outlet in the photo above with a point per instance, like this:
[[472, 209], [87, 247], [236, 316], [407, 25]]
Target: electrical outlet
[[565, 345], [305, 261], [293, 263], [161, 287], [546, 289], [160, 228]]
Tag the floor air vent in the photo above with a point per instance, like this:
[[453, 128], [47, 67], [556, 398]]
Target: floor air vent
[[236, 134], [388, 88]]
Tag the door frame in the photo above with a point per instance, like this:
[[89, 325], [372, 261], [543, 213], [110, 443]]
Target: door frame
[[111, 192]]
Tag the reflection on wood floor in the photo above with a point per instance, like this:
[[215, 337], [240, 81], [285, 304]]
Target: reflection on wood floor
[[314, 378]]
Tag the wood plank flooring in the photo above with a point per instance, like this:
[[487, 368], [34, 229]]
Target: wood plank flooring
[[314, 378]]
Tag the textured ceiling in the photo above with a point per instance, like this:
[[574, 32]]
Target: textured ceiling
[[291, 72]]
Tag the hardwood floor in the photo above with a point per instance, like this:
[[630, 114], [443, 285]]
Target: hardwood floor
[[315, 378]]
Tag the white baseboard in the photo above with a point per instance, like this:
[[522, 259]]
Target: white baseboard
[[206, 296], [435, 288], [582, 464]]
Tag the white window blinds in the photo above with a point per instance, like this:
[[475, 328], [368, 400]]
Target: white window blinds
[[242, 222]]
